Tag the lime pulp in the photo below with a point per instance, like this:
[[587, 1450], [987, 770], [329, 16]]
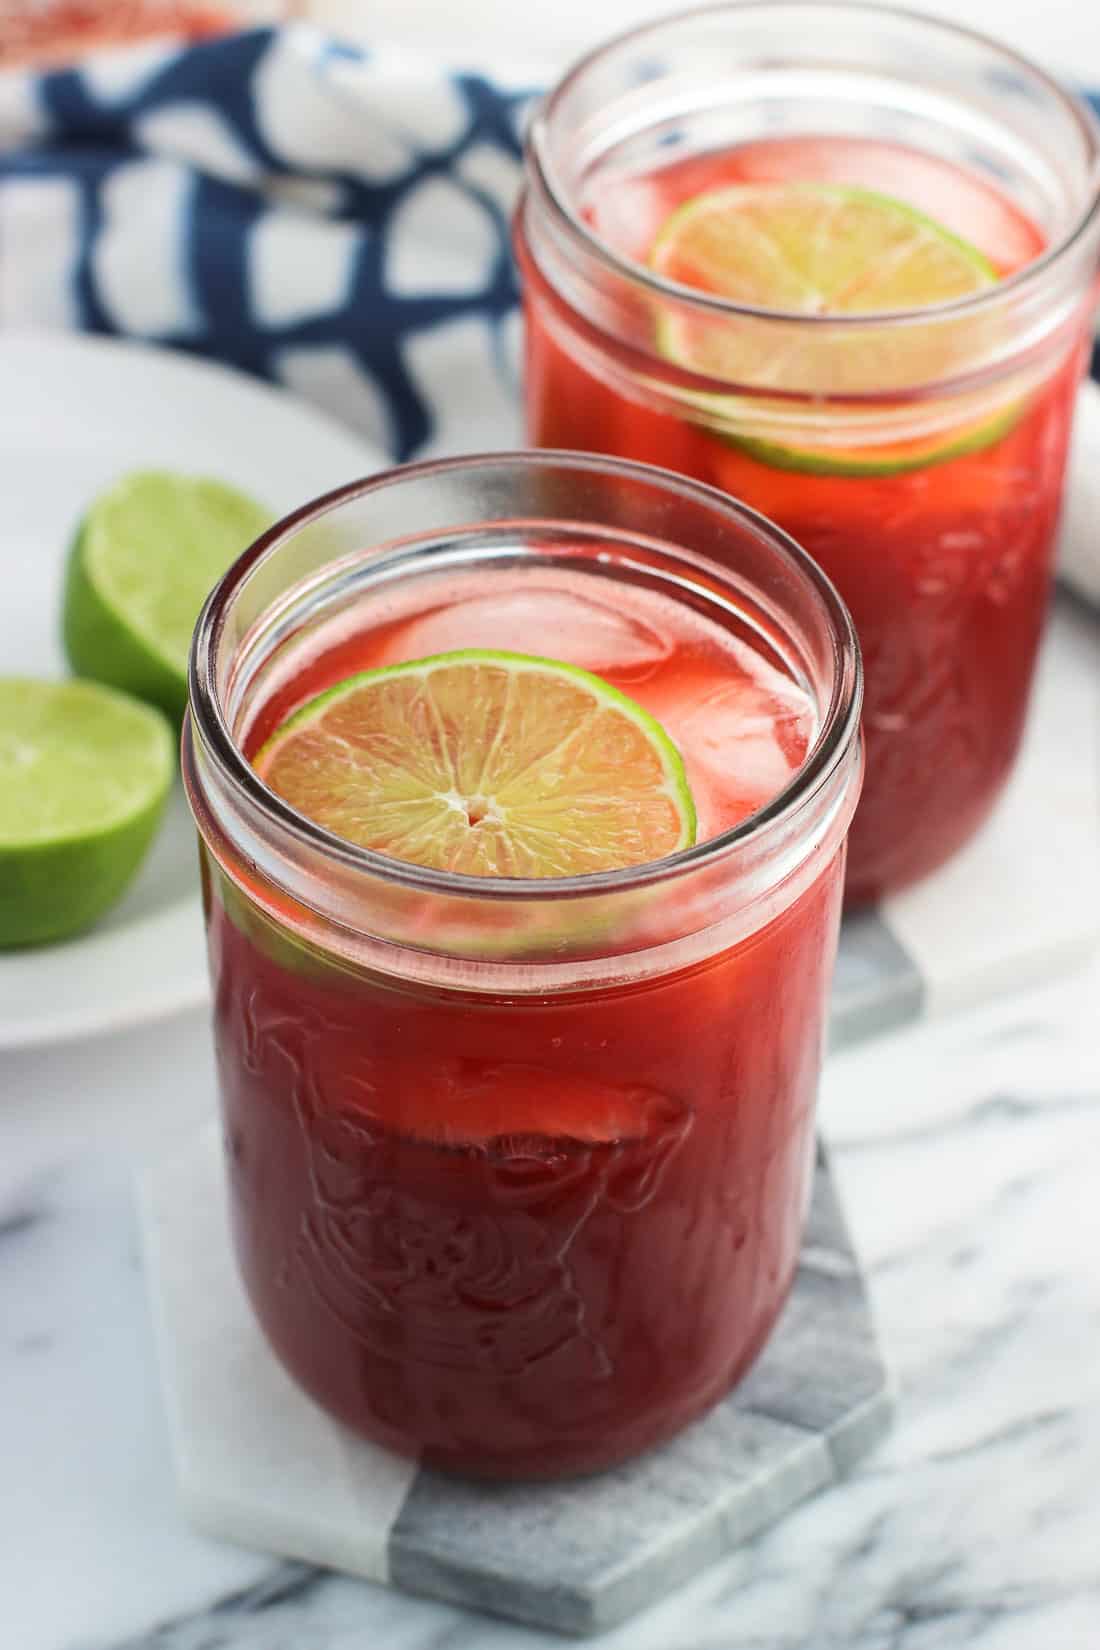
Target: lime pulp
[[486, 763], [145, 557], [84, 775]]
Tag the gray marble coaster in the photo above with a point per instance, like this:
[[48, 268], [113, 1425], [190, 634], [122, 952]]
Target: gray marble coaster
[[877, 985], [258, 1463]]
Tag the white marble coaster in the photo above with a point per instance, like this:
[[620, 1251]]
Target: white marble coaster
[[259, 1464]]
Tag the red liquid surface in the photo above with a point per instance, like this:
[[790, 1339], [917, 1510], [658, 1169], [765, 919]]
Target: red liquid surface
[[945, 568], [531, 1235]]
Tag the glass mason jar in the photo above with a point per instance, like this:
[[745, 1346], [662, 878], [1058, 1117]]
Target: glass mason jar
[[517, 1169], [919, 455]]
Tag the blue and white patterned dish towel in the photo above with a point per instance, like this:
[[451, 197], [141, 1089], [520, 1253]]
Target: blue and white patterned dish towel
[[333, 219]]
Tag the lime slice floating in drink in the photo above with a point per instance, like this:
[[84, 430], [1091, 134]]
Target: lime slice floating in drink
[[84, 773], [146, 556], [486, 763], [828, 251], [889, 458]]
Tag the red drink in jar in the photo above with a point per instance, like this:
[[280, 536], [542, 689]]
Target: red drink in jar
[[47, 32], [917, 452], [518, 1170]]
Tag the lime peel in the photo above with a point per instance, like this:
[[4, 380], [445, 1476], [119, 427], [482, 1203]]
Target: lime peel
[[899, 459]]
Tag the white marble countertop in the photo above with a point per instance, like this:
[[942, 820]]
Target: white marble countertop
[[967, 1151]]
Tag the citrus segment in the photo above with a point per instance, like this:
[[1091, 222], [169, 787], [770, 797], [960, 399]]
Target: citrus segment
[[488, 764]]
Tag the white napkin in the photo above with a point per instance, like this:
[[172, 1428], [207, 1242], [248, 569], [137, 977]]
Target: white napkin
[[1079, 551]]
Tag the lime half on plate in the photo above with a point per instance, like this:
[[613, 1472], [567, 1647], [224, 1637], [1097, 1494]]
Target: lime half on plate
[[818, 251], [145, 558], [84, 774], [486, 763]]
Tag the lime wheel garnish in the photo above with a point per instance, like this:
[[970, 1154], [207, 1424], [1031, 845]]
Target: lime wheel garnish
[[826, 251], [487, 764]]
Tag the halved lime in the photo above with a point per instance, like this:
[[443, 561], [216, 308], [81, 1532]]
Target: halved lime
[[84, 774], [486, 763], [819, 250], [145, 557]]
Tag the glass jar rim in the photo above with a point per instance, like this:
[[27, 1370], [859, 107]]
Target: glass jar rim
[[839, 724], [637, 274]]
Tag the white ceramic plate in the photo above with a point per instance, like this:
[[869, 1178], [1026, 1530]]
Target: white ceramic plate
[[74, 414]]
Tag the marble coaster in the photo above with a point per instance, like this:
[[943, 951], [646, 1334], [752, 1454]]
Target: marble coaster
[[997, 918], [259, 1464]]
